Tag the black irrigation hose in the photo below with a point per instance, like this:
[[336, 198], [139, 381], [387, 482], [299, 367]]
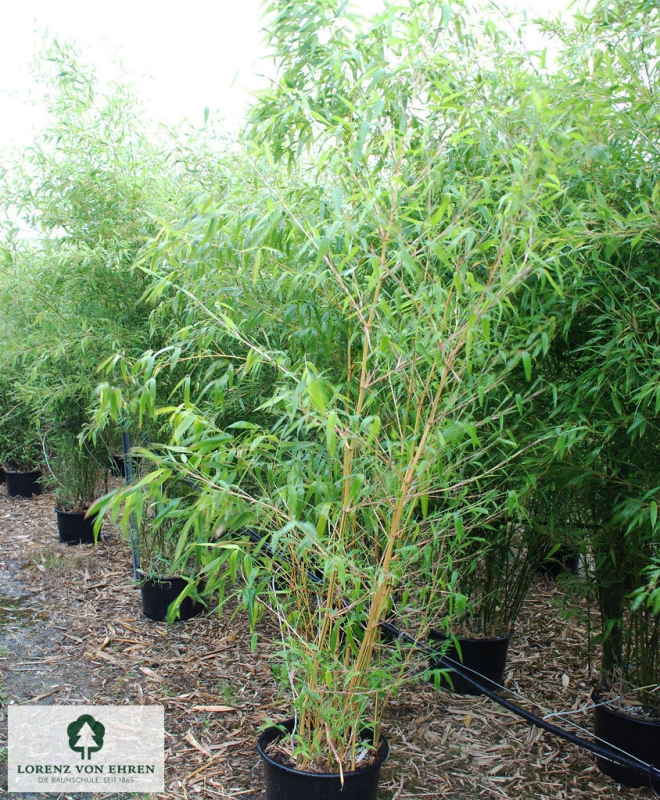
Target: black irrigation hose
[[595, 747], [445, 662]]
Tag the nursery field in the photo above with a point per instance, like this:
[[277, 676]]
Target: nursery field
[[72, 632], [388, 355]]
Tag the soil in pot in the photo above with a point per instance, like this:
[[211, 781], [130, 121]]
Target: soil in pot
[[485, 657], [23, 484], [286, 783], [159, 593], [635, 736], [74, 527]]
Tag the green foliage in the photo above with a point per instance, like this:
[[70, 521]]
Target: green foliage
[[375, 341], [602, 368], [80, 203], [20, 444], [356, 324], [493, 569], [78, 469]]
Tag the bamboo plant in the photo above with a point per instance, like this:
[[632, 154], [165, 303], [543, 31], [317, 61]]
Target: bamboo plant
[[602, 365], [363, 264], [20, 446], [77, 468]]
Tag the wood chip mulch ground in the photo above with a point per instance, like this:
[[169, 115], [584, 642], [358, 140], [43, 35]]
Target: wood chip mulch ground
[[72, 632]]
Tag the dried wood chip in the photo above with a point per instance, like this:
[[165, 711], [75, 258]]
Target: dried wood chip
[[150, 673], [106, 657], [54, 690], [135, 647], [225, 745], [191, 740], [75, 638]]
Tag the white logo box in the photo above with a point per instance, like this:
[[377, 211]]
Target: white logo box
[[86, 748]]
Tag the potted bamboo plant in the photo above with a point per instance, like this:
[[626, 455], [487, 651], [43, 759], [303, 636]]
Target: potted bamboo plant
[[323, 586], [168, 582], [627, 710], [372, 298], [625, 579], [494, 565], [20, 447], [154, 517], [79, 474], [602, 369], [604, 452]]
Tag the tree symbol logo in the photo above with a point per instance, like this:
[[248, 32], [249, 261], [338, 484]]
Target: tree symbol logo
[[85, 736]]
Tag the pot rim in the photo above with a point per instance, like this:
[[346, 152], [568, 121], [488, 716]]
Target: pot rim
[[602, 708], [144, 578], [383, 752], [160, 578], [440, 635], [75, 513], [22, 471]]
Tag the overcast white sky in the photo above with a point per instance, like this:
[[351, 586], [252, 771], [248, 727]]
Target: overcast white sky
[[186, 55]]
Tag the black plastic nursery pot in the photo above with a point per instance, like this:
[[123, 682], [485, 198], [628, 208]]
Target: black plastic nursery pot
[[117, 466], [23, 484], [158, 594], [485, 657], [286, 783], [74, 528], [3, 475], [563, 560], [638, 737]]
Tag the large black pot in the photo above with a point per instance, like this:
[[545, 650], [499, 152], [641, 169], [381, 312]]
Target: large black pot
[[637, 737], [159, 593], [563, 560], [23, 484], [74, 527], [286, 783], [485, 657]]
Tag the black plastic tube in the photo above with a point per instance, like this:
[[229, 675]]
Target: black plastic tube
[[594, 747]]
